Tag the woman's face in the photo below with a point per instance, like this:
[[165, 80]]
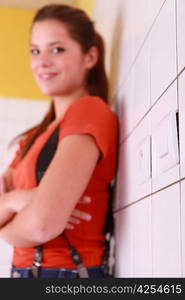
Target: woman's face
[[58, 63]]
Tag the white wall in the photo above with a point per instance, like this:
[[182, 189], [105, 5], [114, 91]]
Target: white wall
[[149, 90]]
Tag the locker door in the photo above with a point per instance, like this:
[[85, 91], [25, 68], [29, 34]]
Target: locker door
[[182, 123], [124, 260], [163, 50], [166, 233], [180, 34], [142, 250]]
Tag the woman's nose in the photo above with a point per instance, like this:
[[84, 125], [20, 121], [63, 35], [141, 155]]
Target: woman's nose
[[45, 60]]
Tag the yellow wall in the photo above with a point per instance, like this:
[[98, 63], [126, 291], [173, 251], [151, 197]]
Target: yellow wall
[[87, 5], [15, 75]]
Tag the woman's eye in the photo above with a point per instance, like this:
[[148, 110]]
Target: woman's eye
[[34, 51], [58, 50]]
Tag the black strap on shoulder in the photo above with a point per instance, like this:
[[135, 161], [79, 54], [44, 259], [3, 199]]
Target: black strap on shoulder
[[43, 161], [46, 155]]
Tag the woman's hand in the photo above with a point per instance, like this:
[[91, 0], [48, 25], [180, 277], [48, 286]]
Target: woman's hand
[[78, 215], [3, 185], [6, 212], [18, 199], [6, 181], [12, 202]]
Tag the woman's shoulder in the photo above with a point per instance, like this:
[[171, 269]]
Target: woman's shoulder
[[92, 105]]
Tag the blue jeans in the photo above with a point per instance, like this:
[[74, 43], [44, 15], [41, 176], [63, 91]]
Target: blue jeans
[[94, 272]]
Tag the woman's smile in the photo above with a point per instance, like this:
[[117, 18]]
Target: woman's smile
[[47, 75]]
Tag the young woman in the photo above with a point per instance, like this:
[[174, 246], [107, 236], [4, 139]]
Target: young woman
[[67, 61]]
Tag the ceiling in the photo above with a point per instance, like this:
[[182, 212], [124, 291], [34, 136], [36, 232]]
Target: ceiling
[[32, 4]]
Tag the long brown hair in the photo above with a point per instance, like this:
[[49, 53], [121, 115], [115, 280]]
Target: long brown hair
[[81, 29]]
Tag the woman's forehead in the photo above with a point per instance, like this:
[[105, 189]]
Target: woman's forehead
[[49, 30], [50, 26]]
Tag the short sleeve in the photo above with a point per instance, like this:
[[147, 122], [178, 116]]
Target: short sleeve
[[91, 116]]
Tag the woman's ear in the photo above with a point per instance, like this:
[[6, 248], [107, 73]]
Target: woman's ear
[[91, 57]]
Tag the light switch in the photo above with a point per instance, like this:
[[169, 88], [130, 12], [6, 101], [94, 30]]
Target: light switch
[[165, 147], [166, 142], [142, 159]]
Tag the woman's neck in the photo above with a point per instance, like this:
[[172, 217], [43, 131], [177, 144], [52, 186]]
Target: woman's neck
[[62, 103]]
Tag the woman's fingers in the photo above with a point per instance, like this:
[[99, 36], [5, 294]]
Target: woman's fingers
[[78, 215], [81, 215], [74, 220], [85, 199], [69, 226]]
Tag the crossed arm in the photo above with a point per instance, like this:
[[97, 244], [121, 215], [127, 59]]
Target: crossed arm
[[49, 206]]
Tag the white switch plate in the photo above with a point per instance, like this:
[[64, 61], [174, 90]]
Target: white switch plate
[[165, 152], [166, 143], [144, 161]]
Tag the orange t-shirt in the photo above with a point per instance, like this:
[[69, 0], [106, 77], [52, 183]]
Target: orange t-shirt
[[88, 115]]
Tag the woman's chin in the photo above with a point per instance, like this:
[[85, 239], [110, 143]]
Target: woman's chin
[[49, 92]]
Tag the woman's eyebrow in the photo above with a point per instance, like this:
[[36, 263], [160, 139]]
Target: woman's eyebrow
[[57, 42], [49, 44]]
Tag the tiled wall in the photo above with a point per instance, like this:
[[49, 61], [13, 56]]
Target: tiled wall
[[150, 102], [16, 115]]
